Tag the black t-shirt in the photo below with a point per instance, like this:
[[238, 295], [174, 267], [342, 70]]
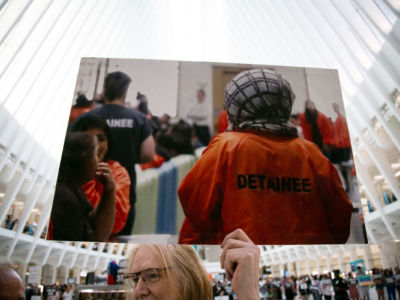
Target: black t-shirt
[[70, 214], [340, 286], [289, 288], [265, 288], [129, 128]]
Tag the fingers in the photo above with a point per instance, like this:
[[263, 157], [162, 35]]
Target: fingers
[[244, 255], [103, 169], [240, 259], [232, 258], [105, 176], [231, 244], [238, 234], [237, 248]]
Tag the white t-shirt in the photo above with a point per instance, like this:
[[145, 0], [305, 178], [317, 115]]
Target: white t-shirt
[[68, 295], [326, 287]]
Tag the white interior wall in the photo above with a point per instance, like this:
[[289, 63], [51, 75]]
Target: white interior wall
[[324, 88], [192, 76], [157, 79]]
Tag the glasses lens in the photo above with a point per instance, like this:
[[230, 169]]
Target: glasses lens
[[131, 279], [151, 275]]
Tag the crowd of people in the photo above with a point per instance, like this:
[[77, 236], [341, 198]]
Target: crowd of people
[[50, 292], [323, 286], [95, 193], [11, 223]]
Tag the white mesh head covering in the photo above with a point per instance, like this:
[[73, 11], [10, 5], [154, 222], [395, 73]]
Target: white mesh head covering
[[260, 99]]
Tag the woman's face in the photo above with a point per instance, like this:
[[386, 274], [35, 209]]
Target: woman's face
[[102, 141], [145, 259]]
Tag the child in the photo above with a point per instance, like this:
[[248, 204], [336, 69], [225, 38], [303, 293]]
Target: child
[[73, 218]]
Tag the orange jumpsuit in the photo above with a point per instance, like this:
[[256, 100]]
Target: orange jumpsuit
[[76, 112], [341, 137], [279, 190], [157, 161], [324, 126], [94, 190]]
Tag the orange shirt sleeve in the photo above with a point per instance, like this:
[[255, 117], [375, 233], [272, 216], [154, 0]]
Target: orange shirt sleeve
[[94, 191], [201, 202], [122, 203]]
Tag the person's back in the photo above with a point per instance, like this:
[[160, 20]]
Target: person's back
[[262, 178], [340, 287], [286, 188]]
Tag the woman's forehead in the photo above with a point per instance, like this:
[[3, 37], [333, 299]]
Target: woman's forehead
[[144, 258]]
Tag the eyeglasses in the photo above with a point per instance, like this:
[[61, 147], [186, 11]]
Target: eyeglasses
[[151, 275]]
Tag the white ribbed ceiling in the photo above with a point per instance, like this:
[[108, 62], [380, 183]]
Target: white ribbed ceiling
[[42, 42]]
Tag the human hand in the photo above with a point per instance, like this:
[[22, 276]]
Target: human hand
[[104, 175], [240, 259]]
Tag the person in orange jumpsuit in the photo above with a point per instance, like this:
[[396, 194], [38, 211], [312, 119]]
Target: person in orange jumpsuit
[[94, 189], [317, 128], [341, 152], [341, 137], [261, 177], [82, 105]]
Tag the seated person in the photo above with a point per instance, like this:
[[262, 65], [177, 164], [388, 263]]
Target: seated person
[[261, 177], [94, 189], [174, 272], [73, 218]]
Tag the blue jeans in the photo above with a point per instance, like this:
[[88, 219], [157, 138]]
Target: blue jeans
[[315, 295], [391, 291]]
